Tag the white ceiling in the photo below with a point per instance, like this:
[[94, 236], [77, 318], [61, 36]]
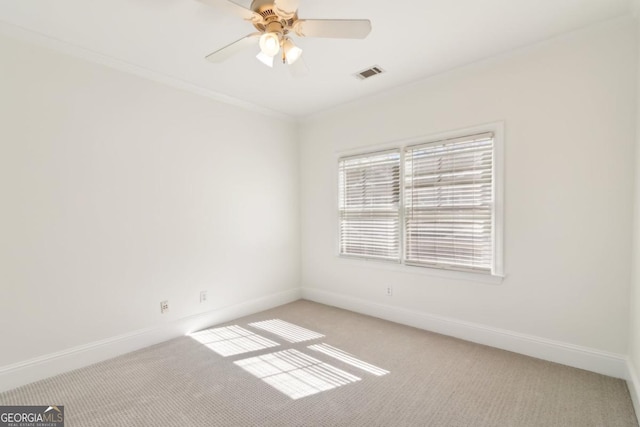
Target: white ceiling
[[410, 40]]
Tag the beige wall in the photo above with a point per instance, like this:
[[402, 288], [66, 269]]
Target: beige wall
[[118, 192], [634, 333], [569, 142]]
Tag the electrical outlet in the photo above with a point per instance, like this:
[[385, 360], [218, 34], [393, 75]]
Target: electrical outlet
[[389, 290], [164, 307], [203, 296]]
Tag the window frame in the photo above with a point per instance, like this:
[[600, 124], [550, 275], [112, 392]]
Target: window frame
[[399, 207], [497, 271]]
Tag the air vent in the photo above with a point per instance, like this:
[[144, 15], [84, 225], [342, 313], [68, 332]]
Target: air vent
[[369, 72]]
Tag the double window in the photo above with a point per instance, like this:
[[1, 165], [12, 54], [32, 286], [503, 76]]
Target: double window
[[433, 204]]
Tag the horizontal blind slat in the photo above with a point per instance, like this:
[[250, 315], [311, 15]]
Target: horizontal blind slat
[[369, 199], [448, 200]]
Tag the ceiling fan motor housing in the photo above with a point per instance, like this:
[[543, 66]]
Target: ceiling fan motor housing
[[267, 10]]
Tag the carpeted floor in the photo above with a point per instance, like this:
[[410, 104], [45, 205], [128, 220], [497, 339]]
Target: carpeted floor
[[342, 369]]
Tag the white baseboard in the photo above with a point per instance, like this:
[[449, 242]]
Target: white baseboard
[[611, 364], [28, 371], [633, 383]]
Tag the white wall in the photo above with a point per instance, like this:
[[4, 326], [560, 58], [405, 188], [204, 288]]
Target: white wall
[[634, 332], [117, 192], [569, 141]]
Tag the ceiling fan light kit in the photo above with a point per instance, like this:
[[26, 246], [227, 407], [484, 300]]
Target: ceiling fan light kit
[[270, 43], [265, 59], [275, 20], [291, 52]]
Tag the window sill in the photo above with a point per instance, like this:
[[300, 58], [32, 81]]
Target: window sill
[[490, 279]]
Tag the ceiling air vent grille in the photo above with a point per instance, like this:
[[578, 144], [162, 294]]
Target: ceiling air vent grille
[[369, 72]]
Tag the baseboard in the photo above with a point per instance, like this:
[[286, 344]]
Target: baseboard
[[28, 371], [633, 383], [614, 365]]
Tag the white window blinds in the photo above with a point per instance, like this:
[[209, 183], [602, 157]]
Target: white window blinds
[[369, 196], [449, 204]]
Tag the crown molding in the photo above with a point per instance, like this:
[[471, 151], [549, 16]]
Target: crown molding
[[66, 48]]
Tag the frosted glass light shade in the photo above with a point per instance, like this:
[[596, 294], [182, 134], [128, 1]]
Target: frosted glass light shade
[[291, 51], [265, 59], [270, 43]]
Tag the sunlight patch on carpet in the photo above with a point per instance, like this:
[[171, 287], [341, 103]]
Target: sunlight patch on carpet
[[347, 358], [295, 373], [288, 331], [232, 340]]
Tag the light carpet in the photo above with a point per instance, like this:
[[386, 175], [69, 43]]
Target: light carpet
[[307, 364]]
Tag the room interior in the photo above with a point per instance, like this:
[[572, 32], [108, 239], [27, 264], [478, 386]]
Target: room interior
[[135, 172]]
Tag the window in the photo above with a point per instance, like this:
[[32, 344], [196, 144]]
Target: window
[[369, 205], [449, 203], [434, 204]]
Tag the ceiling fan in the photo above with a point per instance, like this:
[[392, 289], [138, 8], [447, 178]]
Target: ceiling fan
[[276, 21]]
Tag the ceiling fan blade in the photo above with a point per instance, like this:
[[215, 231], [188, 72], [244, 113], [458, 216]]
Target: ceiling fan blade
[[333, 28], [286, 8], [234, 8], [233, 48]]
